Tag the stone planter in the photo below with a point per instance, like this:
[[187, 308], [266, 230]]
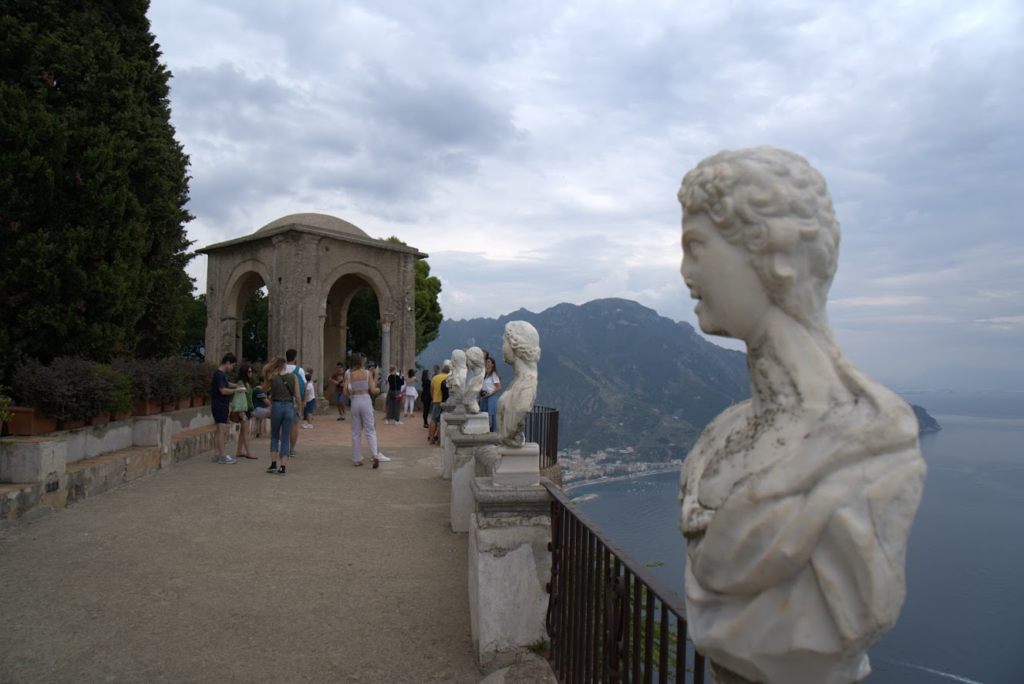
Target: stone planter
[[147, 407], [25, 422]]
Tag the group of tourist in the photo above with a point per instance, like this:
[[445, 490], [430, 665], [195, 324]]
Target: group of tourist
[[286, 394]]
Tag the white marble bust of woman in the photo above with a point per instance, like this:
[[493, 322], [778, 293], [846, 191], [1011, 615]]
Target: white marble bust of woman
[[796, 505], [520, 347], [457, 378], [471, 393]]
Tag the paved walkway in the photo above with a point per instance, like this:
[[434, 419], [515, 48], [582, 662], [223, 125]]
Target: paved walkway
[[215, 573]]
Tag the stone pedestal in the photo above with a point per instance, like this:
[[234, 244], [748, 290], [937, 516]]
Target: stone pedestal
[[465, 448], [451, 424], [520, 466], [477, 424], [509, 568], [31, 460]]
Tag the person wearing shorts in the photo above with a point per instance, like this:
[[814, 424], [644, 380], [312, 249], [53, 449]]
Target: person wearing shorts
[[307, 411], [434, 432], [338, 380], [220, 405]]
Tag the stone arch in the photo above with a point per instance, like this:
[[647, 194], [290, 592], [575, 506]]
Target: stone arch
[[340, 286], [301, 259], [245, 278]]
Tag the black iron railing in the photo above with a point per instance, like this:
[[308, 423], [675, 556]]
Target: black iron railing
[[609, 619], [542, 428]]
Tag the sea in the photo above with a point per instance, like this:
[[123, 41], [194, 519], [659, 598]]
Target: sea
[[963, 620]]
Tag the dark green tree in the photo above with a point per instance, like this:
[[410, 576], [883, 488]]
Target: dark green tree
[[364, 312], [255, 334], [364, 324], [194, 333], [93, 184]]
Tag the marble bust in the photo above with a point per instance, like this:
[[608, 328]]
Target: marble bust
[[457, 378], [520, 348], [796, 505], [471, 393]]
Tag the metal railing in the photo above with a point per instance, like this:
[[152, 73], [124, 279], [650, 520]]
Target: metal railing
[[542, 428], [609, 619]]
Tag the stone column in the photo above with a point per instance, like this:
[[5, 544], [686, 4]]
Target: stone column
[[385, 347], [450, 420], [463, 471], [509, 568]]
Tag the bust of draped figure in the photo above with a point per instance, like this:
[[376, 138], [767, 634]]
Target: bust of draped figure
[[796, 505], [520, 347], [471, 394], [457, 378]]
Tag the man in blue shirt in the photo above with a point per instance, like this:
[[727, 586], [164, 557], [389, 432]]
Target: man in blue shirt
[[220, 403]]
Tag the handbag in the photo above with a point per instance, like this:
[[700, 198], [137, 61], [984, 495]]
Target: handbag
[[239, 405]]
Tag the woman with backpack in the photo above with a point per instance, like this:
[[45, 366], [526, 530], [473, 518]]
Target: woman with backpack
[[283, 388]]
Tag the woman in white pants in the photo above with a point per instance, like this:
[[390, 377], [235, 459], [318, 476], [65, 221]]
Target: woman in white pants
[[410, 392], [360, 388]]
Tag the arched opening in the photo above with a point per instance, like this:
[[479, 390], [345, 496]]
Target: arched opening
[[352, 320], [249, 311], [256, 328]]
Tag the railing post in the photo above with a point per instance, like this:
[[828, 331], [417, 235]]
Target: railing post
[[509, 569]]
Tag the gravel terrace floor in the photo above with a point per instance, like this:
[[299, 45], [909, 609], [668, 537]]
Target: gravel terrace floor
[[224, 573]]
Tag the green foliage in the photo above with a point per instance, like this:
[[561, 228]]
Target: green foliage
[[93, 183], [5, 401], [364, 333], [70, 388], [255, 334], [428, 309], [193, 336]]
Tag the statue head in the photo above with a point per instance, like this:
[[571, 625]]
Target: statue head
[[475, 359], [521, 341], [774, 206]]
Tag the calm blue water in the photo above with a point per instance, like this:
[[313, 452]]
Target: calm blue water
[[963, 620]]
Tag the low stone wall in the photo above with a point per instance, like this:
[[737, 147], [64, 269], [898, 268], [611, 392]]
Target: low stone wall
[[87, 477]]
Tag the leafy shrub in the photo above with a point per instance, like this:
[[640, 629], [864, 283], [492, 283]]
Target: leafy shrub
[[5, 401], [70, 388], [202, 378], [119, 389], [140, 374], [172, 380]]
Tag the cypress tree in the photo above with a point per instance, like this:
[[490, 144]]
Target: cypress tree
[[93, 184]]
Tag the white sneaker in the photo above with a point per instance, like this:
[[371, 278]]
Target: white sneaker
[[385, 421], [399, 423], [227, 460], [382, 458]]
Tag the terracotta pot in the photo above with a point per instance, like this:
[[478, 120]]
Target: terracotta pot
[[26, 422], [70, 424], [184, 403], [99, 420], [124, 415], [164, 408], [197, 400], [147, 407]]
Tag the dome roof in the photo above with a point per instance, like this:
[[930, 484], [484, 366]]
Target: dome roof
[[318, 221]]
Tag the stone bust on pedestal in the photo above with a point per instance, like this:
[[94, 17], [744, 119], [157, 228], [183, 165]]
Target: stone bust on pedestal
[[520, 347], [797, 504], [457, 379], [471, 393]]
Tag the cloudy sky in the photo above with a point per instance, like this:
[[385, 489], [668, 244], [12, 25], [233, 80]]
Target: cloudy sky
[[534, 149]]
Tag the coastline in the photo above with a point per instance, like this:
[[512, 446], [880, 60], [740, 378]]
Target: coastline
[[616, 478]]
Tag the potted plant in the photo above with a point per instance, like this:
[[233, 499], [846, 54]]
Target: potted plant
[[68, 390], [119, 394], [202, 378], [141, 374]]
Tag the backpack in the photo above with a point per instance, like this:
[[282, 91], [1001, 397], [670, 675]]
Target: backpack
[[444, 389]]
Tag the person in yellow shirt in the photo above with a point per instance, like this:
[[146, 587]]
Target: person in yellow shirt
[[436, 397]]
